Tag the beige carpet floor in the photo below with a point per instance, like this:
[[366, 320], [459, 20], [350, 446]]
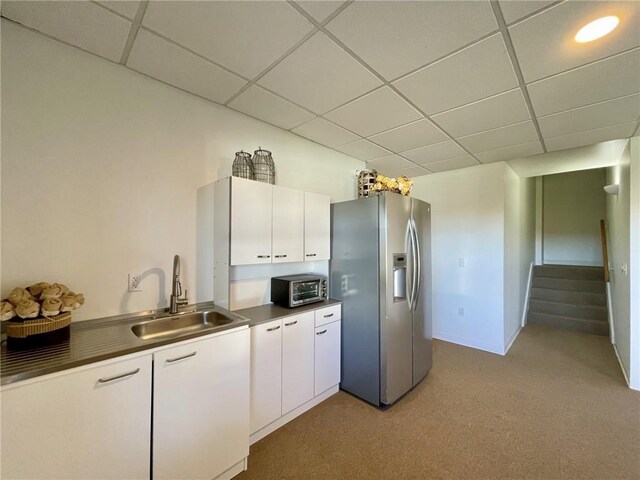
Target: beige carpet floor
[[555, 407]]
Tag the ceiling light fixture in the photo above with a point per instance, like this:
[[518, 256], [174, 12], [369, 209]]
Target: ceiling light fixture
[[597, 29]]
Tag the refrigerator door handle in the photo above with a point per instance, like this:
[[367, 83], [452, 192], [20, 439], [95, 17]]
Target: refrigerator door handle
[[409, 248], [417, 267]]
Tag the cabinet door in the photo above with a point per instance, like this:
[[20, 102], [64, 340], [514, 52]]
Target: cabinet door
[[85, 424], [288, 225], [266, 374], [327, 357], [317, 227], [250, 222], [297, 360], [201, 407]]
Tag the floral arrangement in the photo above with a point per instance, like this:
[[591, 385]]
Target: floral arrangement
[[396, 185], [40, 299]]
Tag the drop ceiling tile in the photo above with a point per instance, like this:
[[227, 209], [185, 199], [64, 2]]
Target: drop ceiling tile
[[165, 61], [509, 153], [493, 112], [245, 37], [590, 137], [612, 112], [412, 135], [320, 76], [124, 7], [406, 172], [259, 103], [363, 150], [319, 9], [324, 132], [503, 137], [610, 78], [375, 112], [390, 163], [435, 153], [513, 10], [83, 24], [397, 37], [453, 164], [476, 72], [545, 43]]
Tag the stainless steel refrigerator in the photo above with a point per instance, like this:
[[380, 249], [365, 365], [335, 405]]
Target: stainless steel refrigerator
[[381, 271]]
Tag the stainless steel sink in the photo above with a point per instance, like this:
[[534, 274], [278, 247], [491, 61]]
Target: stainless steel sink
[[181, 324]]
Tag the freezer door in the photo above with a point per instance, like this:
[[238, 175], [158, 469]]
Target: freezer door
[[395, 319], [422, 320]]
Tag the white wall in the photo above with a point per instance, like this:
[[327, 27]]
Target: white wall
[[519, 241], [468, 223], [618, 218], [574, 204], [101, 167]]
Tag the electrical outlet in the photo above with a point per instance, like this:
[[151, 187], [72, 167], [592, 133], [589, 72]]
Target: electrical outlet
[[461, 311], [134, 282], [462, 262]]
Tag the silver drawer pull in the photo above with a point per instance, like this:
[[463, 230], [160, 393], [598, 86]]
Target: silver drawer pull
[[290, 323], [273, 328], [182, 357], [329, 316], [281, 256], [116, 377], [264, 256], [311, 254], [322, 332]]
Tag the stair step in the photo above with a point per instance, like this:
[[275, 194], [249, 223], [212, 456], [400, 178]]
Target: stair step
[[570, 272], [568, 296], [595, 327], [568, 309], [592, 286]]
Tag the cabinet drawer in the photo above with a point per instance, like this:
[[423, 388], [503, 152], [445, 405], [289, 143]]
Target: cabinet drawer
[[328, 315]]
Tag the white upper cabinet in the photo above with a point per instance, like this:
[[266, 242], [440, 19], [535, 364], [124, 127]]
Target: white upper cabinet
[[263, 223], [288, 225], [317, 227], [251, 213]]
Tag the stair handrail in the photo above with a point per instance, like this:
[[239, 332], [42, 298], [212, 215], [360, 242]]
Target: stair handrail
[[605, 255]]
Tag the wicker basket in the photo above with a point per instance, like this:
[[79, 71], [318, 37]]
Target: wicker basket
[[37, 326]]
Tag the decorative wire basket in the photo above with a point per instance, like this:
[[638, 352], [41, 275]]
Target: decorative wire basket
[[264, 170], [242, 165], [366, 180]]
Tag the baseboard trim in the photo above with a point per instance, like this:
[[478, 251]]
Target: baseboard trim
[[468, 342], [273, 426], [511, 340], [612, 333], [624, 372], [525, 308], [234, 470]]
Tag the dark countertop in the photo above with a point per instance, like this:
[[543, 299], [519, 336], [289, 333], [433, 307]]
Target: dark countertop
[[266, 313], [94, 341]]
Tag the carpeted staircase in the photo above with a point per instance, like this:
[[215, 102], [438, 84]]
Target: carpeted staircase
[[569, 297]]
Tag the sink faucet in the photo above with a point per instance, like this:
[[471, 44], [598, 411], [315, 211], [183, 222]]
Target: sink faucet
[[176, 288]]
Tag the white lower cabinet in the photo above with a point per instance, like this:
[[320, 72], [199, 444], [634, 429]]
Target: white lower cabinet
[[266, 374], [294, 365], [327, 357], [88, 423], [297, 360], [201, 407]]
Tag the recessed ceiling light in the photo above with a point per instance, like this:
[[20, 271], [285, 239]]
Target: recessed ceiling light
[[597, 29]]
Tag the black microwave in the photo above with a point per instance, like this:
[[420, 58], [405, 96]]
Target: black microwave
[[296, 290]]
